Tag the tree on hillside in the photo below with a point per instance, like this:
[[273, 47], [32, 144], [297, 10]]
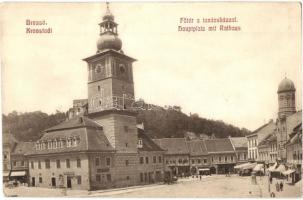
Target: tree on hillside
[[30, 125]]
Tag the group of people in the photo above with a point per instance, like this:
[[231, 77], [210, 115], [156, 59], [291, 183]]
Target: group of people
[[279, 187]]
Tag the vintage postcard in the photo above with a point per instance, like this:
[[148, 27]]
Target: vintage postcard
[[151, 99]]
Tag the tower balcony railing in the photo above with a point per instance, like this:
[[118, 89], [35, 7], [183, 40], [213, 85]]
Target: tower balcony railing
[[111, 103]]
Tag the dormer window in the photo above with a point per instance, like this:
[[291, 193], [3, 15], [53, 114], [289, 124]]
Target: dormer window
[[74, 142], [140, 143], [54, 144], [68, 142]]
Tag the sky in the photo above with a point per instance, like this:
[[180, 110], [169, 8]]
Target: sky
[[231, 76]]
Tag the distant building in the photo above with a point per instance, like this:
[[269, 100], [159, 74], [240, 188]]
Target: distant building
[[222, 155], [267, 148], [176, 155], [80, 107], [187, 157], [271, 143], [257, 136], [288, 118], [294, 153], [240, 146], [190, 135], [9, 143], [199, 158], [19, 162]]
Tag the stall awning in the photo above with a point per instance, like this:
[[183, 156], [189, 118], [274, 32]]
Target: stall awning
[[250, 166], [241, 165], [281, 168], [272, 168], [18, 173], [287, 172], [258, 167], [204, 169]]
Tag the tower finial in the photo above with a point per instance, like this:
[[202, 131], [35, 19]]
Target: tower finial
[[107, 5]]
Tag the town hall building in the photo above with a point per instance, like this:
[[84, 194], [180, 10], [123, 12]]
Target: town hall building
[[99, 146]]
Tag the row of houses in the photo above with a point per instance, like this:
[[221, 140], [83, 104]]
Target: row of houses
[[185, 157], [92, 164], [279, 142]]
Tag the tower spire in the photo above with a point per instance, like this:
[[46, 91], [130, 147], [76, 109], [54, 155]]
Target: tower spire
[[108, 32]]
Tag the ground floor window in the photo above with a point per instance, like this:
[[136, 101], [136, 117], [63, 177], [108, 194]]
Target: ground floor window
[[109, 177], [40, 179], [141, 177], [98, 178], [79, 180], [145, 177]]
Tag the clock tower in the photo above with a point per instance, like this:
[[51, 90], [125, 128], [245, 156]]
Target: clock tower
[[110, 73], [111, 90]]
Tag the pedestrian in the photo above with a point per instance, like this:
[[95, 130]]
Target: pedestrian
[[281, 186], [200, 177], [277, 187]]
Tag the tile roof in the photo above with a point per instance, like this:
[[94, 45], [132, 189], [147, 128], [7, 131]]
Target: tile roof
[[23, 148], [148, 143], [197, 147], [8, 139], [90, 134], [269, 138], [239, 142], [265, 130], [296, 135], [173, 145], [76, 122], [219, 145], [292, 121]]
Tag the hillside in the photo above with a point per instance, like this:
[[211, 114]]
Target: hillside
[[29, 126], [158, 122], [171, 122]]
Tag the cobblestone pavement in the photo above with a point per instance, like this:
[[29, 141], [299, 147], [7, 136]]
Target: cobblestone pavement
[[288, 189], [211, 186]]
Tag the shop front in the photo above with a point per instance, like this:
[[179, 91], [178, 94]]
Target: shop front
[[19, 176]]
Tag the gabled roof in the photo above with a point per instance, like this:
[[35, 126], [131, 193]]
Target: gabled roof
[[173, 146], [147, 143], [76, 122], [239, 142], [197, 147], [219, 145], [296, 135], [293, 121], [265, 130], [23, 148], [9, 139], [269, 138]]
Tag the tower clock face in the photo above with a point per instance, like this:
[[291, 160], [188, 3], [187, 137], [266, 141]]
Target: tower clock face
[[99, 68], [122, 68]]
